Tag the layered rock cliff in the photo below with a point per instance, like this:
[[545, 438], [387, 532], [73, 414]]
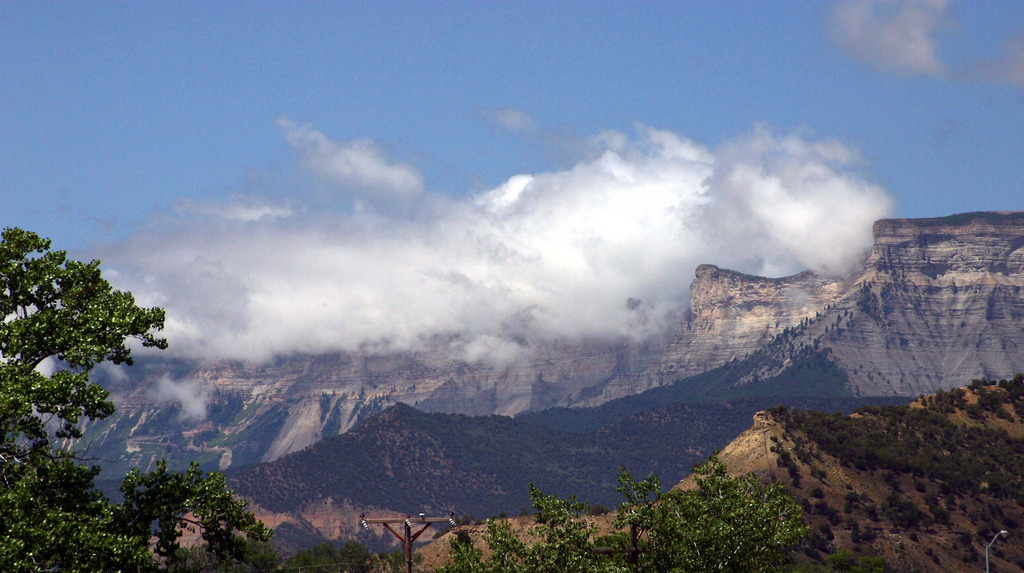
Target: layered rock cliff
[[941, 302], [937, 302], [733, 314]]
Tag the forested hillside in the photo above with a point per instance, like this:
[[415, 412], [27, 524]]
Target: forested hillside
[[408, 461], [926, 485]]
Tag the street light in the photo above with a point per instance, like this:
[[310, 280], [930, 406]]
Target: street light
[[1002, 532]]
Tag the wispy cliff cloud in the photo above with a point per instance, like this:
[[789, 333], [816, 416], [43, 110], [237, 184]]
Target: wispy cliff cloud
[[189, 394], [607, 247]]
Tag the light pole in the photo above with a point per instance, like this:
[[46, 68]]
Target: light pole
[[1002, 532]]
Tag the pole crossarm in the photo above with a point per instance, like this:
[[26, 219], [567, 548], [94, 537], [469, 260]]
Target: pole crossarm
[[448, 518], [406, 522]]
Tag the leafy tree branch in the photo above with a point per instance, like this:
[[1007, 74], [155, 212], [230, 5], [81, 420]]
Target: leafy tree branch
[[52, 518]]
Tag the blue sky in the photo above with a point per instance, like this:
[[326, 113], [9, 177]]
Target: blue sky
[[153, 134]]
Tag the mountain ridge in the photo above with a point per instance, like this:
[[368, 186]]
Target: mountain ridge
[[937, 301]]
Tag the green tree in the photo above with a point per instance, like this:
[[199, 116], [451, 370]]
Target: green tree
[[845, 561], [194, 500], [60, 309], [726, 524], [508, 551], [464, 556], [51, 515], [351, 557], [731, 524], [260, 556], [561, 542], [394, 561], [566, 536]]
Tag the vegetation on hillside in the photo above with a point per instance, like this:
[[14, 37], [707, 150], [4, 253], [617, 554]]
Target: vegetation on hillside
[[965, 218], [725, 524], [342, 557], [479, 465], [927, 442], [932, 482]]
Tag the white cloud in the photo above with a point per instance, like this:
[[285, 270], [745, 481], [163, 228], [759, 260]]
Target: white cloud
[[189, 393], [896, 36], [902, 37], [790, 196], [361, 165], [561, 146], [514, 120], [240, 209], [542, 255]]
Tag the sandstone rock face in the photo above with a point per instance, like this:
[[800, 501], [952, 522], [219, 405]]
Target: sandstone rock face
[[755, 451], [733, 314], [938, 303], [941, 302]]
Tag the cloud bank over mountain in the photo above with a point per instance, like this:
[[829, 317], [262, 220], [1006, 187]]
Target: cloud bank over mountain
[[605, 247]]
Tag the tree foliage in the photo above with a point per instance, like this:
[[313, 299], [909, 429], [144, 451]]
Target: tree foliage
[[350, 557], [60, 320], [728, 524], [55, 308], [560, 541], [725, 524]]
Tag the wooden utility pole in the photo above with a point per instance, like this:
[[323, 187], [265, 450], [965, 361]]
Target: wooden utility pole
[[407, 536]]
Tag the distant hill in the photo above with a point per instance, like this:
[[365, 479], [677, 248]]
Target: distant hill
[[405, 461], [925, 485]]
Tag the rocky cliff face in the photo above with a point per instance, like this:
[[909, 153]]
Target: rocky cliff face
[[938, 302], [733, 314], [259, 413], [941, 302]]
